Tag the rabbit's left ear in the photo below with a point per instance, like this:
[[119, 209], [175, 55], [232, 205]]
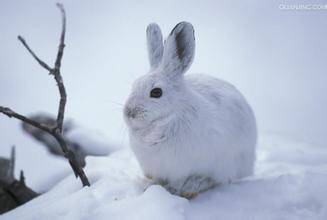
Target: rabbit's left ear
[[179, 50], [155, 44]]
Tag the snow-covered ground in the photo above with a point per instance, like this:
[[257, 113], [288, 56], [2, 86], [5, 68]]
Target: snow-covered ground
[[289, 183]]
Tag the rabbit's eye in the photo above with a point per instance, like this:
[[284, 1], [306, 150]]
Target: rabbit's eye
[[156, 93]]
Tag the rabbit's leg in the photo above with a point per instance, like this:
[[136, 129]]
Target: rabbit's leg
[[148, 181], [190, 187], [196, 184], [145, 182]]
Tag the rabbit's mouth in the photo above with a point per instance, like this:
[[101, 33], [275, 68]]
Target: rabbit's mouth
[[152, 133], [142, 122], [157, 120]]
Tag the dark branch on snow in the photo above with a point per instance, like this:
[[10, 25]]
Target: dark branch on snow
[[56, 72], [11, 114], [55, 131]]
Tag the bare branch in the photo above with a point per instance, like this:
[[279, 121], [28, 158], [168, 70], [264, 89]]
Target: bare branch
[[11, 114], [78, 170], [62, 37], [11, 170], [56, 70], [63, 98], [57, 74], [42, 63], [22, 177], [55, 131]]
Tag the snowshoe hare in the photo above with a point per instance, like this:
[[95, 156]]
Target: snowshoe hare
[[188, 132]]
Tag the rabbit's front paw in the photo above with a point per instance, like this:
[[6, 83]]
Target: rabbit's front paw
[[145, 182], [190, 187], [189, 195], [196, 183]]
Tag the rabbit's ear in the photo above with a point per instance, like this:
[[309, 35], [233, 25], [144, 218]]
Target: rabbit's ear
[[179, 49], [155, 44]]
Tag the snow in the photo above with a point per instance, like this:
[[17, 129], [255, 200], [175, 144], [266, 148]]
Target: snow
[[289, 183], [92, 142]]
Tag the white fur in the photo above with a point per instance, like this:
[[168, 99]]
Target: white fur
[[201, 126]]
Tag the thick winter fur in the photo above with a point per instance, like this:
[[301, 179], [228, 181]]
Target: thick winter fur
[[200, 132]]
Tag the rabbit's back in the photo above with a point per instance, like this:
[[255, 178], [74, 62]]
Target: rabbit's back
[[226, 112], [212, 89], [220, 94]]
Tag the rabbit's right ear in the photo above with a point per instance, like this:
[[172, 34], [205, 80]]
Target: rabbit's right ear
[[179, 50], [155, 44]]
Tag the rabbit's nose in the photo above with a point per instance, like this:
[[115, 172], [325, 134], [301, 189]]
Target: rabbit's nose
[[131, 112], [134, 112]]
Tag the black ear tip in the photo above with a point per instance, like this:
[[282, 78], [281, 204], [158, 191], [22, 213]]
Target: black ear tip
[[183, 26]]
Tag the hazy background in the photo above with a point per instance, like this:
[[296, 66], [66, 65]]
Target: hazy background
[[277, 58]]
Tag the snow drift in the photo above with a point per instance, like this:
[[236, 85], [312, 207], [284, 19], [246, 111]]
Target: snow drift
[[289, 183]]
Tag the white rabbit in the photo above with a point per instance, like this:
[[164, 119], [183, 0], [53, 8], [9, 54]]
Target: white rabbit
[[191, 132]]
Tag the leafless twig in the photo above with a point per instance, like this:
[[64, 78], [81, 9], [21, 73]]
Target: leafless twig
[[43, 64], [56, 72], [55, 131], [11, 170]]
